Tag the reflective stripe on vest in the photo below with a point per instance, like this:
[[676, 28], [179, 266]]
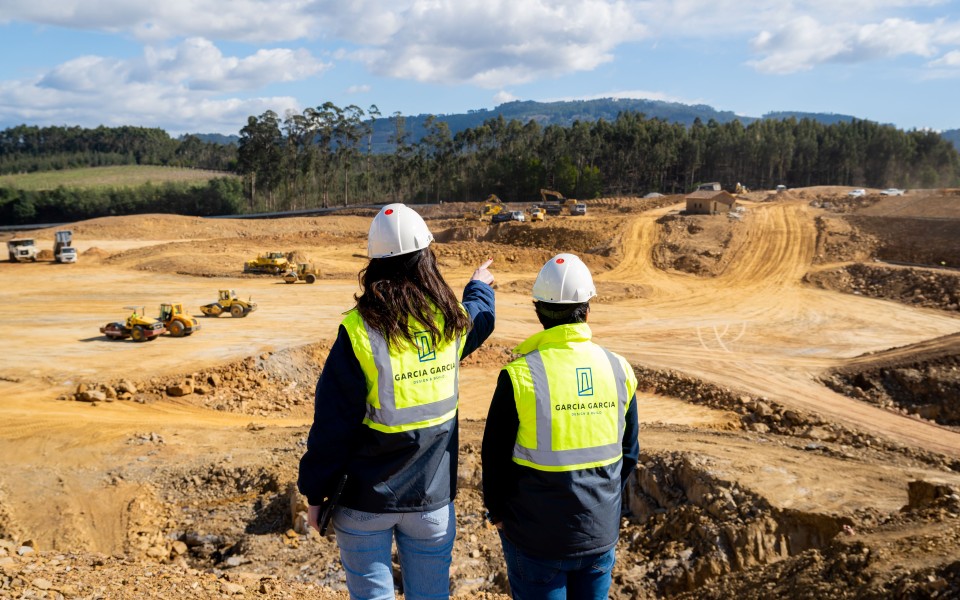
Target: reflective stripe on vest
[[543, 456], [410, 417]]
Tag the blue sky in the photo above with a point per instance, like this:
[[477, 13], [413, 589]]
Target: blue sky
[[206, 65]]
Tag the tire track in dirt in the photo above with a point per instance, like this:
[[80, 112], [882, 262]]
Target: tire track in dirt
[[776, 327]]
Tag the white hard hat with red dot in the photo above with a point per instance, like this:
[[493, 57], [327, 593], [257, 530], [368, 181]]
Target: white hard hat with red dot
[[564, 280], [397, 229]]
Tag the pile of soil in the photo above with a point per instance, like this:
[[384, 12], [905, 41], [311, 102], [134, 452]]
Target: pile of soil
[[694, 244], [927, 386], [839, 241], [917, 287]]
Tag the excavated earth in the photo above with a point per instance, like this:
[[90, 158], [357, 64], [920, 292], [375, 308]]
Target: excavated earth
[[798, 399]]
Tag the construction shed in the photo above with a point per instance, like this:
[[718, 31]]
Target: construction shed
[[709, 202]]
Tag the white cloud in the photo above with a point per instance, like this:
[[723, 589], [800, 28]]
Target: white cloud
[[358, 89], [247, 20], [491, 43], [950, 60], [503, 96], [805, 43], [175, 87]]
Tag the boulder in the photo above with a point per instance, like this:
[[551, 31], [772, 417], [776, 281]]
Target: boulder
[[184, 388]]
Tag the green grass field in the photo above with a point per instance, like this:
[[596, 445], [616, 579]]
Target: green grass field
[[107, 177]]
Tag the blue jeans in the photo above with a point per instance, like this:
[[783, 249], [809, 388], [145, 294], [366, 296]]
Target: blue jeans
[[424, 543], [584, 577]]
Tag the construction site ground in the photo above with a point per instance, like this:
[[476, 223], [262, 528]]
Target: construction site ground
[[165, 469]]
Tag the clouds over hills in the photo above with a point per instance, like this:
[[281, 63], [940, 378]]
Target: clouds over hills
[[208, 64]]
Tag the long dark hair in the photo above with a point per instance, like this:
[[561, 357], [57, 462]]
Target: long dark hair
[[410, 285]]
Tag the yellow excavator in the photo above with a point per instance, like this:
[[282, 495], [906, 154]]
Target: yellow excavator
[[555, 207], [492, 207]]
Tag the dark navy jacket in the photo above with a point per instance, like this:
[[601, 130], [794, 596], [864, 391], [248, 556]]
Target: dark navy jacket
[[552, 515], [386, 472]]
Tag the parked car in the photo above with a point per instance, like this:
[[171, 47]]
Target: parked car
[[509, 215], [892, 192], [857, 192]]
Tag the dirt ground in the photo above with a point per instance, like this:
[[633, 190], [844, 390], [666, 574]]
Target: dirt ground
[[165, 469]]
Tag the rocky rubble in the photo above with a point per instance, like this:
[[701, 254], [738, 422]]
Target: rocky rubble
[[838, 241], [694, 244], [875, 563], [917, 287], [272, 384], [927, 388], [692, 528], [764, 416]]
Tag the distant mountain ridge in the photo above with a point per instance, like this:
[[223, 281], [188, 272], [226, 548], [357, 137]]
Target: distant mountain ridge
[[952, 136], [565, 112]]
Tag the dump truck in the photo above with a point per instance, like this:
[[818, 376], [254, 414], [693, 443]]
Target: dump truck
[[537, 214], [22, 250], [177, 321], [271, 263], [138, 327], [553, 207], [228, 303], [63, 250], [302, 272]]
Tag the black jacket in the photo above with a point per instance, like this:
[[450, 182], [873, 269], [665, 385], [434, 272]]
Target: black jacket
[[387, 472], [552, 515]]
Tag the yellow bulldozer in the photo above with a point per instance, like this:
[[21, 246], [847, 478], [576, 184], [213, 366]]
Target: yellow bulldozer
[[272, 263]]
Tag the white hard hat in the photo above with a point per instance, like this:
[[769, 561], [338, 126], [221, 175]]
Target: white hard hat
[[564, 280], [397, 229]]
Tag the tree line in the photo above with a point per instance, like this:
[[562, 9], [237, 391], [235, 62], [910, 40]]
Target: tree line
[[28, 149], [325, 156], [219, 196], [321, 157]]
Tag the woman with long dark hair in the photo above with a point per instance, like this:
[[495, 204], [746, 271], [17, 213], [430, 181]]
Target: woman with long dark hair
[[384, 438]]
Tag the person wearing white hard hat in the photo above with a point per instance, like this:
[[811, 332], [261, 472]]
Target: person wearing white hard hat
[[382, 451], [559, 443]]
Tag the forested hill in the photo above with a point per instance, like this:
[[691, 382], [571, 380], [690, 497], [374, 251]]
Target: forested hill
[[563, 113], [952, 136]]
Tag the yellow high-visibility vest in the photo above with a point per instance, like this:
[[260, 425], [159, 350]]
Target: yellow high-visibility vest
[[409, 386], [571, 396]]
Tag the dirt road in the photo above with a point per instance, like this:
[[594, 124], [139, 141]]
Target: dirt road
[[753, 328]]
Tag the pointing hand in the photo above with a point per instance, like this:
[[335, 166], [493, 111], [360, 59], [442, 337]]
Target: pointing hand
[[482, 274]]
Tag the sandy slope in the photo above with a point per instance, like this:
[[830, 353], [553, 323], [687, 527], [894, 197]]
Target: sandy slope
[[753, 328]]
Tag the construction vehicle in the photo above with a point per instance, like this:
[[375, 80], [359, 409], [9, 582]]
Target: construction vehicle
[[493, 206], [555, 207], [741, 189], [272, 263], [537, 214], [177, 322], [22, 250], [303, 272], [228, 303], [138, 327], [551, 207], [63, 251]]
